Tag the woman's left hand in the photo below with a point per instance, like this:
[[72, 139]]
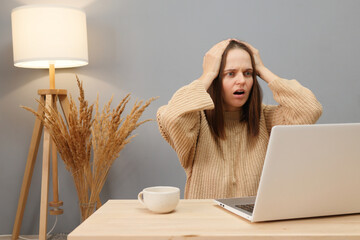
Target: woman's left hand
[[263, 72], [256, 54]]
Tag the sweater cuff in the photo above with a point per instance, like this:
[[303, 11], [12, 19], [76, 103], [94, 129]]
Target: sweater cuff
[[191, 98], [279, 84], [284, 89]]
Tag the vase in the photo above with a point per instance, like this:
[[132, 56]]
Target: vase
[[86, 209]]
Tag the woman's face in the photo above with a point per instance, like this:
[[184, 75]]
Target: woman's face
[[237, 79]]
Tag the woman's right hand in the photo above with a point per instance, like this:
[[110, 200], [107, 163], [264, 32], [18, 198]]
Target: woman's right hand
[[212, 61]]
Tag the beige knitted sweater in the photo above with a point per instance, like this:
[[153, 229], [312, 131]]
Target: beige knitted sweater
[[230, 167]]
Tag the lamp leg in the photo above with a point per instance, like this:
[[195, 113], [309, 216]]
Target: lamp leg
[[29, 169], [45, 178], [55, 203], [65, 106]]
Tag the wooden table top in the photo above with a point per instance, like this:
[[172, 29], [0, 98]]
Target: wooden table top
[[203, 219]]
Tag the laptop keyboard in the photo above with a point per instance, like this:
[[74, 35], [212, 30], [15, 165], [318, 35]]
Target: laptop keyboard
[[247, 207]]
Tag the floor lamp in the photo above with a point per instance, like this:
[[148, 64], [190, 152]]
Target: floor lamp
[[50, 37]]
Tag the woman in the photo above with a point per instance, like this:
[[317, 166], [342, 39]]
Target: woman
[[220, 129]]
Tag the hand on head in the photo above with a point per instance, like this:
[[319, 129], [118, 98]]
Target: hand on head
[[212, 61]]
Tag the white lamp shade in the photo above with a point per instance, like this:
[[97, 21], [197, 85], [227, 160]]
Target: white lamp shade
[[49, 34]]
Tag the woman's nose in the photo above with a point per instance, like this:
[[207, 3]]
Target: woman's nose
[[239, 79]]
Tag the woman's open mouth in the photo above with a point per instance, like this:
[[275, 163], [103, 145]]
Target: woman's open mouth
[[239, 92]]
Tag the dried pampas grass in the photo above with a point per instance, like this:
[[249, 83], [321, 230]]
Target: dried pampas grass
[[105, 134]]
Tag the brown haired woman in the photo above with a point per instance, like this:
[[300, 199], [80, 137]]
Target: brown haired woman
[[220, 129]]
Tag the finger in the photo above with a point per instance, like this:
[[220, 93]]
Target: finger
[[219, 50], [220, 46]]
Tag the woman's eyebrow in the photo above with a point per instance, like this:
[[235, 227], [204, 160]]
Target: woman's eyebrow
[[234, 69], [230, 70]]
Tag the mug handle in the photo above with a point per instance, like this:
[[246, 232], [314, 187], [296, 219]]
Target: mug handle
[[141, 197]]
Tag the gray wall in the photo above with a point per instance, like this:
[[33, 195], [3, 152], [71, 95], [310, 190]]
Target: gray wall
[[151, 48]]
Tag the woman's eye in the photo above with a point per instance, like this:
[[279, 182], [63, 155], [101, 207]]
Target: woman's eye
[[230, 74], [248, 74]]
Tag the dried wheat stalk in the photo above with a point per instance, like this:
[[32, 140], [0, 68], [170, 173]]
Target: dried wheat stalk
[[107, 134]]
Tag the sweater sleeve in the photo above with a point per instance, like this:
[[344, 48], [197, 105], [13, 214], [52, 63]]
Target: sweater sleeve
[[179, 120], [297, 104]]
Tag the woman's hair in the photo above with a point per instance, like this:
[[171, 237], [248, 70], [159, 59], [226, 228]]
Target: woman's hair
[[250, 110]]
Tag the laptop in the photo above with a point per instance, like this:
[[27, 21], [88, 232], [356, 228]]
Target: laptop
[[309, 171]]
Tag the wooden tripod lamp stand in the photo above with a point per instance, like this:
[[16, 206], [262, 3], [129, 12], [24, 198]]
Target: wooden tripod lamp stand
[[46, 36]]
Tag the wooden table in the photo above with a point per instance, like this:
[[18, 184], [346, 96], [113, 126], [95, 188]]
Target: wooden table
[[202, 219]]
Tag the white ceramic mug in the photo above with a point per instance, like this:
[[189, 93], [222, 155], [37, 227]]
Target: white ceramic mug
[[160, 199]]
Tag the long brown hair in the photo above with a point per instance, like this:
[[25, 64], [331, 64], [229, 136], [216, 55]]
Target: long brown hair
[[251, 110]]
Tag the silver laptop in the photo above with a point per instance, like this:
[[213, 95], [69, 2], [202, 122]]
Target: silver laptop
[[309, 171]]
